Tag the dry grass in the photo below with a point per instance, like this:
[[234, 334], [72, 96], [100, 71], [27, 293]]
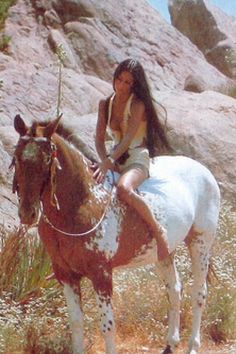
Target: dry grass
[[220, 318], [24, 264], [34, 317]]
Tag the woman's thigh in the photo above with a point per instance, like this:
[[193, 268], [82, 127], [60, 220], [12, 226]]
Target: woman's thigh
[[132, 177]]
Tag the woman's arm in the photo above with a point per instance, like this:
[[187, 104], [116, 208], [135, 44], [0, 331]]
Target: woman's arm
[[101, 131], [100, 169]]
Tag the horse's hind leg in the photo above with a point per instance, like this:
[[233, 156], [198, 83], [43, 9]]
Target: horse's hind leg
[[76, 318], [199, 249], [169, 275]]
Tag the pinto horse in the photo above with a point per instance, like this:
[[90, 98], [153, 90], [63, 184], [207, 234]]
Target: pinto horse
[[87, 231]]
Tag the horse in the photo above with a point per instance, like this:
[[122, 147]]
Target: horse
[[88, 232]]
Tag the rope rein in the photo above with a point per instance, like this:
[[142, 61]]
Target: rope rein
[[86, 232]]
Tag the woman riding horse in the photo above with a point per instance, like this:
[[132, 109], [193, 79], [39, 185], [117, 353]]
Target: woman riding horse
[[137, 134]]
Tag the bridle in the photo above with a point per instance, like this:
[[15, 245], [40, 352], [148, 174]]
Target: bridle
[[51, 160], [54, 166]]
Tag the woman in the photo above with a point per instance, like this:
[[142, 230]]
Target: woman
[[137, 133]]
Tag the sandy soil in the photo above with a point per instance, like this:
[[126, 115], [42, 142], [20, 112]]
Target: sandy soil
[[128, 348]]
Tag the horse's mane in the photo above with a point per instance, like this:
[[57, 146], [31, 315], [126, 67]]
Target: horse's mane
[[69, 135]]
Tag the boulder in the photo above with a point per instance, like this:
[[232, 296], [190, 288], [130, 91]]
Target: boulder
[[102, 37], [203, 126], [60, 45], [8, 201], [208, 27]]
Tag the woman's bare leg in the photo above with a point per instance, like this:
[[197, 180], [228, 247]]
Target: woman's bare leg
[[128, 182]]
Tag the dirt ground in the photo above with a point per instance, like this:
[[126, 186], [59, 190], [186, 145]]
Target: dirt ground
[[127, 348]]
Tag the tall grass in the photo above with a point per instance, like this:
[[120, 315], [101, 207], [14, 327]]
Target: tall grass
[[33, 315], [24, 264], [220, 319]]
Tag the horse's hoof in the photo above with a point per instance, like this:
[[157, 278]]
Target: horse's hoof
[[168, 350], [193, 351]]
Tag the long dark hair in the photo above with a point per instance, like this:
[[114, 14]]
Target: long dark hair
[[157, 142]]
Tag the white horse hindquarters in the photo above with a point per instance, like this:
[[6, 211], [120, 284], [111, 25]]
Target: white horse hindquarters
[[173, 207], [183, 194], [187, 204]]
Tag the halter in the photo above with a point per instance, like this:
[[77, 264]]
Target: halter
[[55, 164]]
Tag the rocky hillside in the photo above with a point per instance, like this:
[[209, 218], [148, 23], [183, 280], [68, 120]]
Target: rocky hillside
[[95, 38], [210, 29]]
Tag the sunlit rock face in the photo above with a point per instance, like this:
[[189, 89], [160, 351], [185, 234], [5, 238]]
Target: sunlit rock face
[[203, 126], [94, 39], [210, 29]]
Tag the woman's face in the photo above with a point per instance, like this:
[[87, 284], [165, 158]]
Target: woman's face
[[124, 83]]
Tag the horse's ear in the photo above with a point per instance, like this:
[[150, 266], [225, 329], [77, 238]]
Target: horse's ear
[[52, 127], [20, 125]]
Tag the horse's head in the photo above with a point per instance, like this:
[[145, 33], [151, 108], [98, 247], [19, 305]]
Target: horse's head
[[33, 159]]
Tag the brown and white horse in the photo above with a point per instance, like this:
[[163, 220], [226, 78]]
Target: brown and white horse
[[88, 232]]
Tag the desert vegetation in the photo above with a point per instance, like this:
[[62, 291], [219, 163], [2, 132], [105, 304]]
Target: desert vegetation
[[33, 316], [4, 7]]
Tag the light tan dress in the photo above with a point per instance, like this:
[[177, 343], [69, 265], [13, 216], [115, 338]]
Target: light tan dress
[[137, 151]]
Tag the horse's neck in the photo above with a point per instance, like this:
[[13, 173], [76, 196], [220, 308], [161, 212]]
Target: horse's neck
[[75, 167], [76, 188]]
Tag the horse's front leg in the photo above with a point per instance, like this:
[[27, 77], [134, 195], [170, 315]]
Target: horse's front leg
[[170, 277], [103, 289], [72, 295]]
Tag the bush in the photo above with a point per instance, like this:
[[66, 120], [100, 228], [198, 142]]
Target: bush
[[4, 42], [24, 264], [4, 6]]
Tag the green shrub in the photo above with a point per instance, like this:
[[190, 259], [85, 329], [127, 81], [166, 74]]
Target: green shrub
[[232, 92], [4, 42], [4, 6]]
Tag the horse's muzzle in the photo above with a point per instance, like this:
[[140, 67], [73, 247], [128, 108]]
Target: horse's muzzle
[[29, 216]]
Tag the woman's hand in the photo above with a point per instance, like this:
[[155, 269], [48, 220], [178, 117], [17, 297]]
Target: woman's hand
[[100, 170]]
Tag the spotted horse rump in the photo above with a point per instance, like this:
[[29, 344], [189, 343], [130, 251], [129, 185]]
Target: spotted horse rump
[[88, 232]]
